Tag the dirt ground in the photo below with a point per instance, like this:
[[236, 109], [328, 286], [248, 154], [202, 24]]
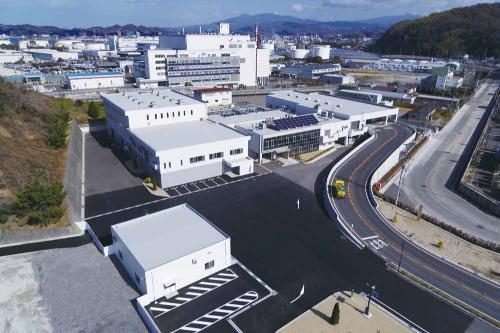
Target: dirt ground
[[482, 261], [352, 318]]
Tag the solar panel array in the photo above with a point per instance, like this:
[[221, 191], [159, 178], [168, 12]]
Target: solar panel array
[[294, 122]]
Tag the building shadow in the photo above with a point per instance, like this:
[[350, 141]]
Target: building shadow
[[123, 273]]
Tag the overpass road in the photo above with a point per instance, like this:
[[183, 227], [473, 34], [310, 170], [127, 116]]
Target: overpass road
[[380, 236]]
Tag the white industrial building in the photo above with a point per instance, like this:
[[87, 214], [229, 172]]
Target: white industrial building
[[23, 44], [8, 56], [396, 65], [98, 80], [322, 51], [168, 134], [170, 249], [311, 71], [277, 133], [357, 113], [51, 55], [214, 96], [206, 60], [337, 79], [130, 44]]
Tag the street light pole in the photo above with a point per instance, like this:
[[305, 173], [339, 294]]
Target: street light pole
[[401, 176], [367, 309]]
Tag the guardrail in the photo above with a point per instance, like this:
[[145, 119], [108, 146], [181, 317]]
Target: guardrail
[[344, 228]]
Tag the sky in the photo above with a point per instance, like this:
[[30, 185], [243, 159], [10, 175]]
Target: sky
[[175, 13]]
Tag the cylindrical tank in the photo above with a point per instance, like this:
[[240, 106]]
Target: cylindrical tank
[[299, 53], [322, 51]]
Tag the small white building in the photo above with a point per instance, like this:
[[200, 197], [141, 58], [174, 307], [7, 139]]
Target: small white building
[[337, 79], [170, 249], [98, 80], [7, 56], [214, 96]]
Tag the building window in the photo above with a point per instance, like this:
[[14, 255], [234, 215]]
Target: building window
[[184, 113], [216, 155], [147, 117], [169, 164], [194, 261], [156, 116], [168, 115], [209, 265], [120, 254], [161, 115], [178, 113], [164, 165], [173, 114], [137, 279], [191, 112], [197, 159], [236, 151]]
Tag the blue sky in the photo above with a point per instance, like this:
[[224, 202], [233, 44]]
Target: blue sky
[[168, 13]]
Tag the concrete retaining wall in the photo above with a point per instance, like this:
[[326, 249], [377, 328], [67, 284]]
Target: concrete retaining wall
[[483, 201]]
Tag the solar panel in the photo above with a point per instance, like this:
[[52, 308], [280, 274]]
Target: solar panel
[[294, 122]]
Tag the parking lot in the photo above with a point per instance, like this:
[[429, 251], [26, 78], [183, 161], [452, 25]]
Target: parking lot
[[290, 248], [205, 304], [204, 184]]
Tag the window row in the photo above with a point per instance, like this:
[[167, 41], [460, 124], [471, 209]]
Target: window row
[[236, 151], [169, 114]]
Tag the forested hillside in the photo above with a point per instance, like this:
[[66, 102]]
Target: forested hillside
[[471, 30]]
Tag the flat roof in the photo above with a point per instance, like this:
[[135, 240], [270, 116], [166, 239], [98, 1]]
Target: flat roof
[[167, 235], [183, 134], [210, 90], [251, 117], [88, 75], [329, 102], [142, 99]]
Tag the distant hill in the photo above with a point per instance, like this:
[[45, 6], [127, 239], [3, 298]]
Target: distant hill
[[471, 30], [269, 24]]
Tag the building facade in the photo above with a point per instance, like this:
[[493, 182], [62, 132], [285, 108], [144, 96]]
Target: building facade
[[82, 81]]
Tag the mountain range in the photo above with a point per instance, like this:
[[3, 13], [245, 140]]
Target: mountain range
[[268, 24]]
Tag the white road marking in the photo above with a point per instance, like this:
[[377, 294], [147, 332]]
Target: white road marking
[[370, 237], [227, 274], [378, 244], [194, 294], [200, 288], [210, 283], [170, 303], [184, 299], [219, 279]]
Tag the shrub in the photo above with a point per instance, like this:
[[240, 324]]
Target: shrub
[[154, 184], [335, 318], [440, 244], [58, 123], [147, 180], [41, 203], [93, 110], [79, 102]]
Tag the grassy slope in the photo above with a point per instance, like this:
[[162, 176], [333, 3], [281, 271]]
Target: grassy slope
[[24, 152]]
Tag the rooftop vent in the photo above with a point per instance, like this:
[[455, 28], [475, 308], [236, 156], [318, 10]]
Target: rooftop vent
[[339, 105]]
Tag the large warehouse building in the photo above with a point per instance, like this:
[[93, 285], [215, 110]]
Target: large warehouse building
[[170, 249], [100, 80], [168, 134]]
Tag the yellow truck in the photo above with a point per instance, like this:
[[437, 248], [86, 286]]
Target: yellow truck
[[339, 189]]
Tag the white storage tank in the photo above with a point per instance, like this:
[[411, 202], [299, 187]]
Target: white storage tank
[[322, 51], [299, 53]]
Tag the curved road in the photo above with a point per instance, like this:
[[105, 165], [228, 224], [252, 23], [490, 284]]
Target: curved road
[[357, 211]]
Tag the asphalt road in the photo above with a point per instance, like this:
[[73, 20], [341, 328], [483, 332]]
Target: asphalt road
[[357, 210], [426, 181], [288, 248]]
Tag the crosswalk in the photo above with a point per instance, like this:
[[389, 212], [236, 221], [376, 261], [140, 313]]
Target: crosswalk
[[163, 306], [378, 244], [220, 313]]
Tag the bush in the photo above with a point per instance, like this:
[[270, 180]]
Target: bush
[[335, 318], [440, 244], [58, 124], [147, 180], [41, 203], [79, 102], [154, 184], [93, 110]]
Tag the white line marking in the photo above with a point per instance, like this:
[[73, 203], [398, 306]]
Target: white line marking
[[213, 317], [227, 274], [162, 310], [224, 311], [194, 294], [200, 288], [210, 284], [199, 322], [169, 303], [190, 329], [184, 299], [219, 279], [370, 237]]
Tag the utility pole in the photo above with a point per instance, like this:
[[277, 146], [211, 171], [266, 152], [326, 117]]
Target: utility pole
[[401, 175], [401, 254]]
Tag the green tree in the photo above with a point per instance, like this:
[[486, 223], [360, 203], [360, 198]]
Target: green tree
[[93, 110], [335, 317], [316, 60]]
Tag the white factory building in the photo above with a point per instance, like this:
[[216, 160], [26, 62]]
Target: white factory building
[[168, 134], [51, 55], [8, 56], [311, 71], [206, 60], [98, 80], [170, 249], [214, 96], [396, 65], [337, 79], [277, 133]]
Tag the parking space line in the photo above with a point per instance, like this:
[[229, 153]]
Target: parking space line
[[195, 291], [222, 180], [219, 279], [194, 184], [247, 298]]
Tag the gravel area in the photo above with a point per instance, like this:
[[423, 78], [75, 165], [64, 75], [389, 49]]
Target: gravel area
[[486, 263], [66, 290]]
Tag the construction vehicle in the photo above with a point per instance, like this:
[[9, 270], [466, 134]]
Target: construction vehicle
[[339, 189]]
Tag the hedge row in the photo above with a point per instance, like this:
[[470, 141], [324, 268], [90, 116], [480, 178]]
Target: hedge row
[[451, 229]]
